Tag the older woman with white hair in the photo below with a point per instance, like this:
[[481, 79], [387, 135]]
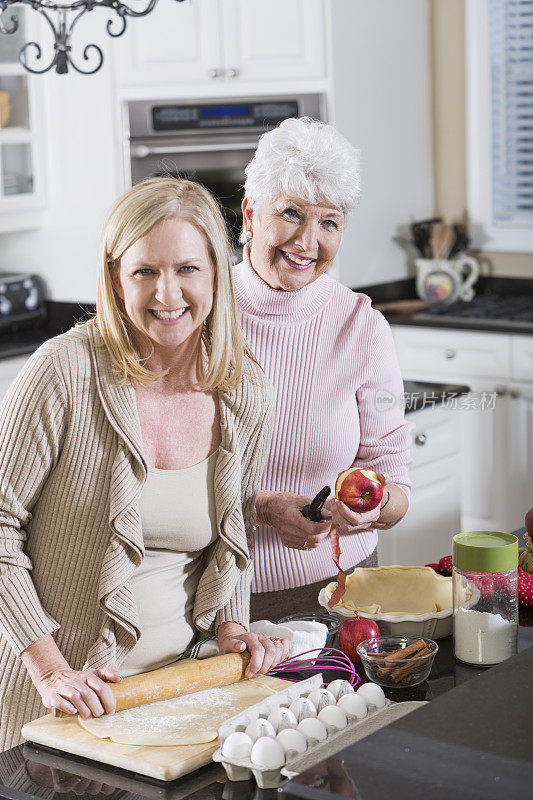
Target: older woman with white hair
[[328, 354]]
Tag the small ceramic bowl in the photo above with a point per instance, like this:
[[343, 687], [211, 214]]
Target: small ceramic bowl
[[402, 672]]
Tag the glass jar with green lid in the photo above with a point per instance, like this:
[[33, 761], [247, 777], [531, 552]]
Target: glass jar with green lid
[[485, 596]]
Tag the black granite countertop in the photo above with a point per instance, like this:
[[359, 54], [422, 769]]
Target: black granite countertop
[[392, 291], [60, 317]]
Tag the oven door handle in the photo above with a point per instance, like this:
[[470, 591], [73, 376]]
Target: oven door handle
[[144, 150]]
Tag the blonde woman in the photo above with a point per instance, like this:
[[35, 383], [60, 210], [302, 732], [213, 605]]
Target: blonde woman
[[130, 452]]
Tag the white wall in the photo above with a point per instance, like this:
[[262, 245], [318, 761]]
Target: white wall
[[382, 104], [81, 176]]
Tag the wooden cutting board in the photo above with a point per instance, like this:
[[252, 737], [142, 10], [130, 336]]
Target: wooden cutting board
[[162, 763]]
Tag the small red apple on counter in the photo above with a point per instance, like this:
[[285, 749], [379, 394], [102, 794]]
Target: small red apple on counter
[[359, 489], [352, 632]]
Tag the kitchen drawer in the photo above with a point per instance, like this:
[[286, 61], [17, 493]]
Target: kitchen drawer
[[522, 358], [435, 435], [440, 353]]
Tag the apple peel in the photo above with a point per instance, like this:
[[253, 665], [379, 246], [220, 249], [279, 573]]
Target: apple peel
[[338, 594]]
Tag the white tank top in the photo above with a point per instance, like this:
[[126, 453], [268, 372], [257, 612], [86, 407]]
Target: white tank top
[[178, 520]]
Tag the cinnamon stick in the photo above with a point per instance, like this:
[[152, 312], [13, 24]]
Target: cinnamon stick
[[405, 652], [404, 670], [388, 666]]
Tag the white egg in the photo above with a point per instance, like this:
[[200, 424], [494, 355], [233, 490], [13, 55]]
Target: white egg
[[321, 698], [293, 742], [237, 746], [260, 727], [302, 707], [339, 688], [353, 705], [267, 753], [313, 729], [334, 718], [282, 718], [373, 694]]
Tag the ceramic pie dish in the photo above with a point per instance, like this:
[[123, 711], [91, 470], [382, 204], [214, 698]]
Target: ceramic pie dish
[[404, 601]]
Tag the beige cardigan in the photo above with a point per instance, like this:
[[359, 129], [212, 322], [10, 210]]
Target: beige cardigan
[[71, 470]]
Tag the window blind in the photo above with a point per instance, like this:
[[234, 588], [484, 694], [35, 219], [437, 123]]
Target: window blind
[[511, 57]]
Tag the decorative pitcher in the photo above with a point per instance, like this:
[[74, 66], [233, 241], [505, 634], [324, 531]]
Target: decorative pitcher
[[446, 281]]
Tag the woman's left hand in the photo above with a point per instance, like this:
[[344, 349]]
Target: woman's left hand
[[391, 510], [265, 652], [348, 521]]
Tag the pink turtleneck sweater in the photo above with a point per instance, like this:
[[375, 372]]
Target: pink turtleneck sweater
[[328, 353]]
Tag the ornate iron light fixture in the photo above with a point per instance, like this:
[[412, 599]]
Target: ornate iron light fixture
[[63, 26]]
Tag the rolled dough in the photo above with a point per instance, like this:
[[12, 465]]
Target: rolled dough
[[192, 719]]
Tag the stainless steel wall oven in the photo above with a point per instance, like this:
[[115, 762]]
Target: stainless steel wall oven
[[210, 140]]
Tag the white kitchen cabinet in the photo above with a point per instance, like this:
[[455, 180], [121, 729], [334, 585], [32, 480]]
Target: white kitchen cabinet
[[176, 43], [9, 369], [450, 353], [434, 516], [22, 191], [520, 436], [276, 41], [496, 421], [222, 45], [522, 358]]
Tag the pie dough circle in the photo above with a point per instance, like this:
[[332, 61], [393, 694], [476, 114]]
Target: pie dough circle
[[188, 720]]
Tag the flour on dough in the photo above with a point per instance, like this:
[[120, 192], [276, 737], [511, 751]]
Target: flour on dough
[[191, 719]]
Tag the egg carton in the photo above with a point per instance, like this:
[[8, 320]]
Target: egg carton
[[243, 769]]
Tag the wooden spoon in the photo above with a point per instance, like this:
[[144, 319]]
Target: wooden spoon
[[442, 237]]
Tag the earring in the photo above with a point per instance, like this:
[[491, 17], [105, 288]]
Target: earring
[[247, 236]]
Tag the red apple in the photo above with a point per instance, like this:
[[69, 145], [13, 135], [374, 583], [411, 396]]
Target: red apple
[[352, 632], [359, 489], [529, 522]]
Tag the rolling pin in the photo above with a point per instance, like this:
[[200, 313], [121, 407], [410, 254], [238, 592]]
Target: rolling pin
[[184, 677]]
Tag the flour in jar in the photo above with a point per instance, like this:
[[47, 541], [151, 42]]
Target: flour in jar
[[188, 720], [483, 638]]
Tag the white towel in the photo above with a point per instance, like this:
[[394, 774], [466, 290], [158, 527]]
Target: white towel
[[302, 635]]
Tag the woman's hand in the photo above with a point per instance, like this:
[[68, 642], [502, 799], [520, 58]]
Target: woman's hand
[[391, 510], [283, 511], [348, 521], [68, 690], [265, 652], [83, 691]]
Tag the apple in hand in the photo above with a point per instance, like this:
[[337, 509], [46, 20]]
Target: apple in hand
[[359, 489], [352, 632]]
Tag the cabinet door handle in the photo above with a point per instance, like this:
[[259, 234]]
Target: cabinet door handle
[[421, 438], [214, 73], [233, 72], [450, 353]]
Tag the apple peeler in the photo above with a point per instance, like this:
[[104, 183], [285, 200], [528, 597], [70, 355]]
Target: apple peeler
[[313, 510]]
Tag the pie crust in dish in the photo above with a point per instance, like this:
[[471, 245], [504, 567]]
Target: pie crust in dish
[[402, 600]]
